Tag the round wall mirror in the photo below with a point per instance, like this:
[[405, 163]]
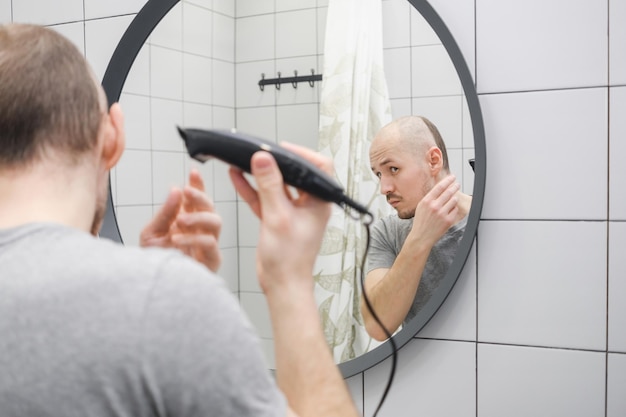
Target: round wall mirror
[[187, 63]]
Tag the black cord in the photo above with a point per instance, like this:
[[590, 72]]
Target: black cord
[[394, 349]]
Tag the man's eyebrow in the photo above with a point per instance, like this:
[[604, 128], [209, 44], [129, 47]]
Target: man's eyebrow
[[384, 162]]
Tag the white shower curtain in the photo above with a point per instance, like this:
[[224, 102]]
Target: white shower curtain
[[354, 106]]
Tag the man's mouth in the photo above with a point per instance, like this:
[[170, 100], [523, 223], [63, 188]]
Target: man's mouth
[[393, 201]]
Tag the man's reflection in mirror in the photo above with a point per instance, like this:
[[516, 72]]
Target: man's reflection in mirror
[[412, 248]]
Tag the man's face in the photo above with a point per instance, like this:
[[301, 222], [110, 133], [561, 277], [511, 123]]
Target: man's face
[[403, 175]]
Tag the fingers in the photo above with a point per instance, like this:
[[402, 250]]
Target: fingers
[[164, 218], [196, 199], [203, 222], [195, 184], [195, 180], [271, 194], [245, 190], [203, 248]]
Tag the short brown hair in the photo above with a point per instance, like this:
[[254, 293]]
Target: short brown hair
[[411, 129], [48, 96], [438, 141]]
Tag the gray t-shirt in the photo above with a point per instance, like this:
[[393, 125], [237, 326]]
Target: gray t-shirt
[[387, 238], [91, 328]]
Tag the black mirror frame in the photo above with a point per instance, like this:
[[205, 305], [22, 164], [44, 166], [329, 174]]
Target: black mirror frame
[[154, 11]]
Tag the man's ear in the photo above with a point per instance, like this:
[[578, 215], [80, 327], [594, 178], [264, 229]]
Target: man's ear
[[113, 136], [435, 160]]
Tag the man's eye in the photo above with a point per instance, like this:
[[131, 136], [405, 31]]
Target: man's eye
[[393, 170]]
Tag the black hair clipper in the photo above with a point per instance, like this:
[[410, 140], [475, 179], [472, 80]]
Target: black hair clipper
[[236, 148]]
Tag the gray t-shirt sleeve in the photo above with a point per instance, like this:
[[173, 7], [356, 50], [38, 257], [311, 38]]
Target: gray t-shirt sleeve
[[202, 349], [383, 245]]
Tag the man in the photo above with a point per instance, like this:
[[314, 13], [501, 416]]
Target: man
[[411, 249], [92, 328]]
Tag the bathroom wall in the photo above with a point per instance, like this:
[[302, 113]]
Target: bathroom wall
[[535, 324]]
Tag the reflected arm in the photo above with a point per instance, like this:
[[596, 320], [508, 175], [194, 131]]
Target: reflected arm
[[391, 291]]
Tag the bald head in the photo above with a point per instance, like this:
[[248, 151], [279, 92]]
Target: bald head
[[414, 134]]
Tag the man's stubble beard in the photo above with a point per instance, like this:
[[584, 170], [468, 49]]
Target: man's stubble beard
[[101, 206]]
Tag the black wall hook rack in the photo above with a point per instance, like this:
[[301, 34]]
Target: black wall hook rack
[[293, 80]]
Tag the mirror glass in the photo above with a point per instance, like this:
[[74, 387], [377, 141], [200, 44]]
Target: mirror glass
[[201, 66]]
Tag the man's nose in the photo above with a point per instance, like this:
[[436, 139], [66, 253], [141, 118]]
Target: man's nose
[[386, 186]]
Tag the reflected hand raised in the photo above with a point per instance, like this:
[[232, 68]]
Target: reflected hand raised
[[187, 221], [437, 211]]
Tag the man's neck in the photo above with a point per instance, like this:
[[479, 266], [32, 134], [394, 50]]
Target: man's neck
[[45, 194]]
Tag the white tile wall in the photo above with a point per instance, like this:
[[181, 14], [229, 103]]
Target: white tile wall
[[197, 76], [617, 42], [258, 121], [616, 385], [556, 53], [95, 9], [396, 24], [207, 4], [459, 17], [197, 115], [229, 269], [134, 172], [433, 378], [253, 7], [101, 38], [166, 115], [617, 145], [248, 226], [296, 33], [422, 34], [617, 287], [397, 64], [224, 41], [167, 172], [166, 73], [542, 283], [136, 120], [254, 38], [48, 12], [138, 79], [224, 190], [226, 7], [247, 77], [247, 270], [223, 84], [355, 385], [197, 30], [5, 11], [223, 117], [438, 77], [546, 164], [298, 124], [169, 33], [518, 382], [285, 5]]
